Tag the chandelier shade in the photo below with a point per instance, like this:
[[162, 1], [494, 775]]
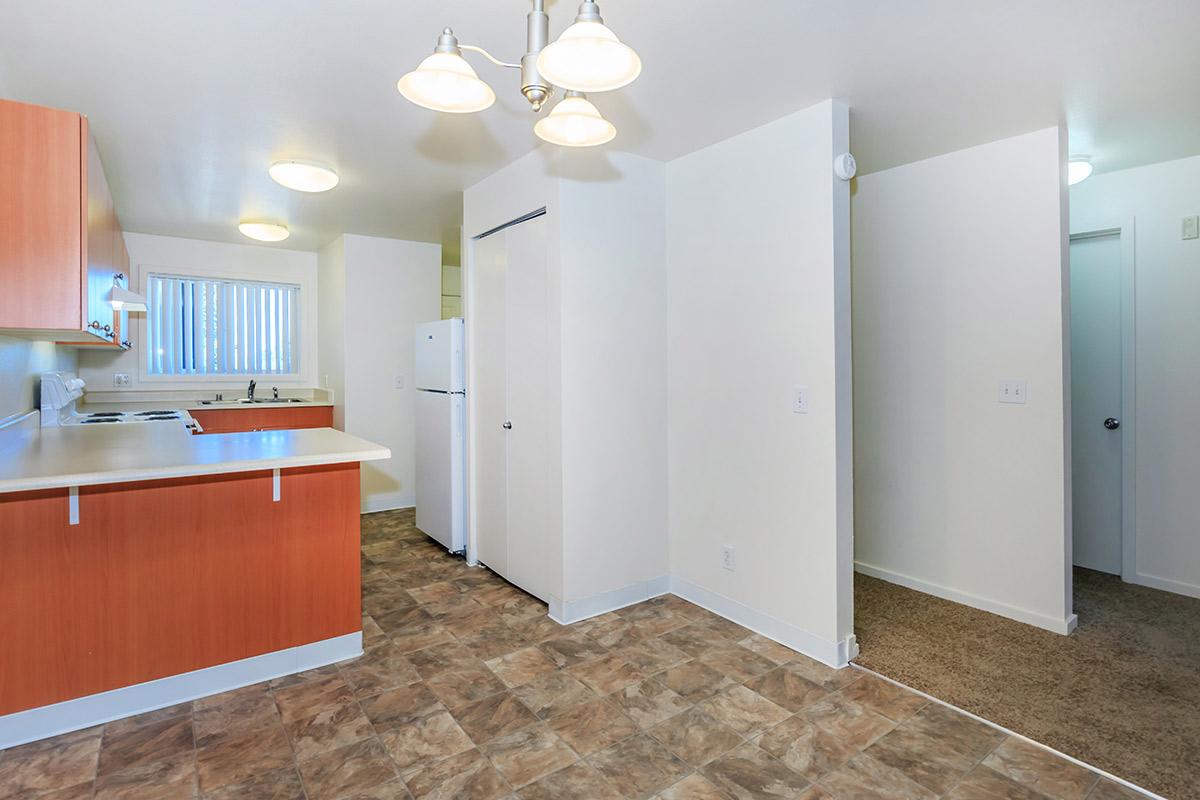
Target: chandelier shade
[[446, 82]]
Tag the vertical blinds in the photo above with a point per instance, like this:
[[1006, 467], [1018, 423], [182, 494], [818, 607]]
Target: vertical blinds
[[203, 326]]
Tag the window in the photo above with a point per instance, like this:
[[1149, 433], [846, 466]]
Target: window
[[218, 326]]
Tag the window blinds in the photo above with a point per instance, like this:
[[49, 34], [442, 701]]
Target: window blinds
[[201, 326]]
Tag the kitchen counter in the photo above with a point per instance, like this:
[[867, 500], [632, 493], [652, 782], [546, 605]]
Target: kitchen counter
[[191, 405], [86, 455]]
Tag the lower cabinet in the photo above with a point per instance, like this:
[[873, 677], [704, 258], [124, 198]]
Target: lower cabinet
[[236, 420]]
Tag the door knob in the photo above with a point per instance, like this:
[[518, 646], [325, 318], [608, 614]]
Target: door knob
[[508, 426], [1112, 423]]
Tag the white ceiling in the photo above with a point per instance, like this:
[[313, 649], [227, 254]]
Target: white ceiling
[[190, 100]]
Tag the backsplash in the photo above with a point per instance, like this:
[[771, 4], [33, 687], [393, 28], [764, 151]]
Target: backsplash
[[21, 364]]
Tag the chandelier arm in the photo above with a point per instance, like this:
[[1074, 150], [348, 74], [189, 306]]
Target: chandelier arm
[[488, 56]]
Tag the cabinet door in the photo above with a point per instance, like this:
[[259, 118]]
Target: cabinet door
[[101, 248], [121, 265], [41, 210], [490, 406]]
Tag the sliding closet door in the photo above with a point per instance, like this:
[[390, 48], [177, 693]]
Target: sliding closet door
[[489, 309], [530, 415]]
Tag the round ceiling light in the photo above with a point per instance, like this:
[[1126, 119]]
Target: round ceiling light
[[1079, 169], [264, 231], [446, 82], [303, 176], [575, 122], [588, 56]]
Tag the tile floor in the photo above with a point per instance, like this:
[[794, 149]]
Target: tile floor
[[467, 690]]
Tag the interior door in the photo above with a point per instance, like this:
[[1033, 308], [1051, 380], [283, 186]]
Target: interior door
[[489, 309], [527, 360], [1096, 437]]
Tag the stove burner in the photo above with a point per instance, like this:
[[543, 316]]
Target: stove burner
[[154, 413], [99, 419], [173, 416], [106, 414]]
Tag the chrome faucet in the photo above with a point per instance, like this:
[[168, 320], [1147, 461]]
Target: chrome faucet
[[274, 392], [250, 391]]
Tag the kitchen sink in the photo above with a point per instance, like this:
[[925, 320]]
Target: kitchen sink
[[242, 401]]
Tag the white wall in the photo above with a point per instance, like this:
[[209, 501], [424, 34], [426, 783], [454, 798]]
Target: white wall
[[758, 304], [195, 257], [21, 364], [959, 274], [378, 290], [1167, 341]]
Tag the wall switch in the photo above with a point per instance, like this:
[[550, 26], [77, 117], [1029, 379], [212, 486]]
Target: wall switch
[[727, 558], [1191, 227], [1013, 391], [399, 382], [120, 379], [800, 400]]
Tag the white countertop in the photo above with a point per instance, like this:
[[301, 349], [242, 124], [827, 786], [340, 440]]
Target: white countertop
[[84, 455], [190, 405]]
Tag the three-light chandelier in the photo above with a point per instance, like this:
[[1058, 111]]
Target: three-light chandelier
[[587, 57]]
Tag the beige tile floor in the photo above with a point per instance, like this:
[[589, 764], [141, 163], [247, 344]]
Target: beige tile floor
[[467, 690]]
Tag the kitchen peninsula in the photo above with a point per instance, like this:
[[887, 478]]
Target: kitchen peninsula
[[143, 566]]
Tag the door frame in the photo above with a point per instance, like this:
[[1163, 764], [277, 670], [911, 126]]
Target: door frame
[[1126, 231]]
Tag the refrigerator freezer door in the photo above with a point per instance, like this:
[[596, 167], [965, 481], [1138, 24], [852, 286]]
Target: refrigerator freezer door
[[439, 356], [440, 457]]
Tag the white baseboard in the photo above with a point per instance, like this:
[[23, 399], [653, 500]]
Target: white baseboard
[[835, 654], [1165, 585], [84, 712], [566, 612], [386, 502], [1052, 624]]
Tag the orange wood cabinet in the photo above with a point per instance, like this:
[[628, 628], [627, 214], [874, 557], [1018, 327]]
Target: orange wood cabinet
[[60, 241], [276, 418], [164, 577]]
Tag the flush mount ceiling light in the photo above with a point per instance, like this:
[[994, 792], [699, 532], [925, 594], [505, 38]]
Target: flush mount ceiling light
[[1079, 169], [303, 176], [588, 57], [264, 231]]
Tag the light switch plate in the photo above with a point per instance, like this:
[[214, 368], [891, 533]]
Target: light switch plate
[[728, 558], [800, 400], [1013, 391], [399, 382], [1191, 227]]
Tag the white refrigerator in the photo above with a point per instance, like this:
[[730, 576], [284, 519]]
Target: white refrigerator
[[441, 452]]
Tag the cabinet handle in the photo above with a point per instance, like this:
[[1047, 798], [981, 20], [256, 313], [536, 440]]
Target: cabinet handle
[[127, 344], [108, 329], [94, 324]]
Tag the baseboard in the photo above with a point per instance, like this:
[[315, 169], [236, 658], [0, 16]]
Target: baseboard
[[835, 654], [84, 712], [1052, 624], [566, 612], [1165, 585], [386, 502]]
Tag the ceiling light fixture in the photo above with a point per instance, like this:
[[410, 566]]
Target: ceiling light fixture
[[1079, 169], [303, 176], [588, 57], [264, 231]]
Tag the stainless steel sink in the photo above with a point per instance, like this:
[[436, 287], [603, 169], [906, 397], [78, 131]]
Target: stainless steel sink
[[242, 401]]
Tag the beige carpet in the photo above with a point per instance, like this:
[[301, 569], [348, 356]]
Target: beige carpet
[[1122, 693]]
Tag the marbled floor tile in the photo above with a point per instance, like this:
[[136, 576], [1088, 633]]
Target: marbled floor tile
[[849, 721], [119, 726], [884, 697], [571, 649], [580, 781], [535, 628], [304, 700], [479, 622], [357, 770], [768, 648], [402, 618], [962, 734], [145, 744], [787, 689], [864, 778], [240, 709], [173, 778], [1038, 769], [748, 773], [932, 763], [453, 608], [499, 594], [316, 673], [552, 694], [695, 640], [696, 737], [441, 658], [426, 741], [658, 625], [386, 600], [653, 655], [459, 687], [607, 674], [822, 675], [744, 710], [521, 666], [420, 636], [466, 776], [722, 628], [694, 681], [1107, 790], [60, 762], [737, 662], [593, 726], [492, 642], [239, 756], [525, 755], [437, 592], [493, 716], [982, 783], [379, 668], [278, 784], [639, 767], [328, 729], [806, 748], [648, 703], [693, 787], [398, 707], [372, 633]]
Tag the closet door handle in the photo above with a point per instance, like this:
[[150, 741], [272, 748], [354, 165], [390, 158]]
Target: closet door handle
[[508, 426]]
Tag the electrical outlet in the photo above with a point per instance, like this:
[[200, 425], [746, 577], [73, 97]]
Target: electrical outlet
[[1191, 227], [1013, 391], [120, 379], [399, 382], [727, 558], [800, 400]]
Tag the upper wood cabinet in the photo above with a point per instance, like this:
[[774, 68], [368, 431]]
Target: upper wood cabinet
[[60, 241]]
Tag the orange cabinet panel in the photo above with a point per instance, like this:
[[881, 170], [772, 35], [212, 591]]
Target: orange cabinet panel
[[274, 418]]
